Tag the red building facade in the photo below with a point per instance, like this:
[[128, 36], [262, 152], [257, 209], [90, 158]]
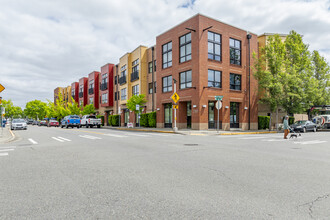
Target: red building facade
[[93, 89], [83, 91], [75, 91]]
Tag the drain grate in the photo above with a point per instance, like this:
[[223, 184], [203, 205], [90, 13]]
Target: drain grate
[[190, 144]]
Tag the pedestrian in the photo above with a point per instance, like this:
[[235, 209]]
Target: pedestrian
[[286, 127]]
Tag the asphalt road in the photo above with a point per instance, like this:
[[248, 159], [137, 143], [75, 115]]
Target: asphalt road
[[54, 173]]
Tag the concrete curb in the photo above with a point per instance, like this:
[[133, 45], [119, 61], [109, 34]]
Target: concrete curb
[[10, 138], [256, 132], [145, 130]]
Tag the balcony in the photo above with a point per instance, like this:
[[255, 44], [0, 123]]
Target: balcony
[[103, 86], [81, 94], [134, 76], [91, 91], [122, 80]]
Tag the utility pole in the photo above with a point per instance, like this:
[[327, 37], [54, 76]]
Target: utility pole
[[249, 36], [174, 89]]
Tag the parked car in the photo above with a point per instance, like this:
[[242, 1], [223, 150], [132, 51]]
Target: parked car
[[304, 126], [43, 123], [35, 122], [70, 121], [53, 123], [29, 122], [18, 124], [90, 121]]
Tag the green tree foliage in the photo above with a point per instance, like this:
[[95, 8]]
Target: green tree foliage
[[60, 108], [88, 109], [136, 100], [74, 108], [36, 109]]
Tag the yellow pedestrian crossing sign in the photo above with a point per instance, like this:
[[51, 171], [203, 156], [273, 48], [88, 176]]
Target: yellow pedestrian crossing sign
[[2, 88], [176, 106], [175, 97]]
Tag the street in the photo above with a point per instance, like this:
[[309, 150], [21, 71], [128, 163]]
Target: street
[[54, 173]]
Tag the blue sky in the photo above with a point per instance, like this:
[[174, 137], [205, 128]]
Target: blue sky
[[46, 44]]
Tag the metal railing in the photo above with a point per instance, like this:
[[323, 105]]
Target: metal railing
[[134, 76], [122, 80]]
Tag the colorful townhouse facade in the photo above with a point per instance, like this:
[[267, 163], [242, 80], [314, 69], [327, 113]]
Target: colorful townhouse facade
[[200, 58]]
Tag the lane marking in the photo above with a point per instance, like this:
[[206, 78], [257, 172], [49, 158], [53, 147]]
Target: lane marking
[[89, 137], [310, 142], [58, 139], [115, 135], [8, 147], [62, 138], [251, 138], [3, 154], [6, 150], [32, 141], [275, 140]]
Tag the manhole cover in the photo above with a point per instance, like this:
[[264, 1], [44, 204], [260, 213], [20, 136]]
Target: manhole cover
[[190, 144]]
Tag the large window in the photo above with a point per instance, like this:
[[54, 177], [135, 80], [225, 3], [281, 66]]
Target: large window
[[185, 48], [235, 51], [167, 55], [105, 98], [117, 96], [91, 100], [123, 94], [91, 87], [214, 46], [235, 81], [150, 67], [214, 78], [185, 79], [150, 87], [167, 84], [135, 90]]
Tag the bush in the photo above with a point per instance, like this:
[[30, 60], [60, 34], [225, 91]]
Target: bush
[[152, 119], [110, 120], [102, 119], [263, 122], [144, 120], [115, 120]]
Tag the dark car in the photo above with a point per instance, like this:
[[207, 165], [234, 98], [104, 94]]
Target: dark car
[[29, 122], [304, 126], [43, 123], [35, 122], [53, 123]]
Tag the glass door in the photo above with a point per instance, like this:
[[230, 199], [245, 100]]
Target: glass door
[[211, 116], [168, 115], [234, 115], [188, 114]]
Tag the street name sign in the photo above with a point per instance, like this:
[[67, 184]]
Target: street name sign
[[218, 97]]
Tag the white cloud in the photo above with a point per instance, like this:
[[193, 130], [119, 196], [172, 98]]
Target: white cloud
[[46, 44]]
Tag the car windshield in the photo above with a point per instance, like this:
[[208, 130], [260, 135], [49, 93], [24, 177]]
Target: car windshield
[[18, 121], [74, 116], [300, 122]]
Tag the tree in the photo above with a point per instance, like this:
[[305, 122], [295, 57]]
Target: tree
[[88, 109], [12, 111], [321, 72], [61, 109], [136, 100], [74, 108], [36, 109]]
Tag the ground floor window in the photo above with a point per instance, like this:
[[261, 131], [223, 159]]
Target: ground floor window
[[234, 115], [168, 115]]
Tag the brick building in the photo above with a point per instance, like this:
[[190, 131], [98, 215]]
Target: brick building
[[206, 58], [83, 84]]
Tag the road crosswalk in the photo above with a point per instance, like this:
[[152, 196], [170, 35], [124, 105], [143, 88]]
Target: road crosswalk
[[4, 151]]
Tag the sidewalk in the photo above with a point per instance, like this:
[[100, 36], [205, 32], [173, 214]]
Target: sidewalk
[[192, 132], [6, 135]]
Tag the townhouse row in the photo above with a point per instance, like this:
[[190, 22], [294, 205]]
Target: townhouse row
[[201, 57]]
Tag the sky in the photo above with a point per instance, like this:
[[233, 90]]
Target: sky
[[46, 44]]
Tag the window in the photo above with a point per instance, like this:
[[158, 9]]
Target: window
[[167, 84], [104, 78], [150, 67], [235, 81], [155, 86], [135, 90], [117, 96], [91, 100], [214, 46], [91, 84], [214, 78], [155, 65], [105, 98], [73, 92], [123, 94], [167, 55], [150, 87], [135, 66], [81, 88], [185, 80], [135, 62], [115, 80], [185, 48], [235, 51]]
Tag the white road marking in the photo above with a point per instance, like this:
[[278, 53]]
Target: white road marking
[[62, 138], [5, 150], [58, 139], [89, 137], [137, 135], [251, 138], [32, 141], [309, 142], [115, 135], [7, 147], [3, 154], [275, 140]]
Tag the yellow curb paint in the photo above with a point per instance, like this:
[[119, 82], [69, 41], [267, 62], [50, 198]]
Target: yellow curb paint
[[12, 133]]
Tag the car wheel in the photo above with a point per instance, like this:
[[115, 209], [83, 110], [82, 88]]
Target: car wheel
[[86, 125], [304, 130], [99, 126], [314, 129], [66, 126], [78, 126]]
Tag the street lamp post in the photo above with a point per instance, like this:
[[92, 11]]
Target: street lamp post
[[174, 89]]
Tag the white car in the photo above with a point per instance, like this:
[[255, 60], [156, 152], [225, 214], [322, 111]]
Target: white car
[[18, 124]]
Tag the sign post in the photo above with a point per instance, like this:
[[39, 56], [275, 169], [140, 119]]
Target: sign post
[[175, 97], [137, 107], [218, 105]]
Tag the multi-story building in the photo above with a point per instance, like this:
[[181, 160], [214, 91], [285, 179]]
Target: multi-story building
[[57, 92], [132, 80], [106, 90], [83, 94], [93, 89], [75, 91], [152, 85], [203, 58], [67, 95]]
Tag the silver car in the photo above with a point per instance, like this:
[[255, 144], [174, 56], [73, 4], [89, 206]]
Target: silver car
[[18, 124]]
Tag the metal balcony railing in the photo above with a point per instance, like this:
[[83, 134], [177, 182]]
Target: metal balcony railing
[[81, 94], [122, 80], [103, 86], [134, 76], [91, 91]]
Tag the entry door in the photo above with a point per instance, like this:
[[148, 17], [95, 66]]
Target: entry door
[[188, 114], [168, 115], [211, 116], [126, 117], [234, 115]]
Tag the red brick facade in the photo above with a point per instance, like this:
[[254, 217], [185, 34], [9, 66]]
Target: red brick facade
[[93, 93], [75, 91], [83, 91]]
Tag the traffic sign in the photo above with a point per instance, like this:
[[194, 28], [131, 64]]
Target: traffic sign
[[218, 105], [175, 97], [218, 97], [176, 106], [137, 107], [2, 88]]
